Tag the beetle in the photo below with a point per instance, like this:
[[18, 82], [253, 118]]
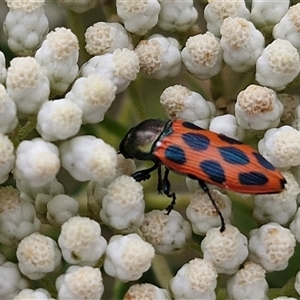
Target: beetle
[[200, 154]]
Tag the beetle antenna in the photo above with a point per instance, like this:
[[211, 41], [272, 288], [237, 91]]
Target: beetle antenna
[[206, 190]]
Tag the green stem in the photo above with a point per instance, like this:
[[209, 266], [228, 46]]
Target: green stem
[[162, 271], [287, 290], [135, 98], [75, 23]]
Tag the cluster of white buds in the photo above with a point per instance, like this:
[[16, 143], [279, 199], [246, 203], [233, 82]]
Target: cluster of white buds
[[74, 207]]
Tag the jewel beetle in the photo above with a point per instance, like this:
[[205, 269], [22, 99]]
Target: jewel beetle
[[200, 154]]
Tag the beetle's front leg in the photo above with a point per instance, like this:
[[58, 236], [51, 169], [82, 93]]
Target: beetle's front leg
[[166, 186], [144, 174]]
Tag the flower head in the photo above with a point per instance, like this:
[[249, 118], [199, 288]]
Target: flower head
[[281, 146], [38, 255], [123, 205], [81, 242], [89, 158], [146, 290], [177, 15], [181, 103], [195, 280], [159, 57], [258, 108], [271, 246], [138, 16], [227, 249], [166, 233], [202, 55], [216, 11], [278, 64], [37, 162], [80, 283], [58, 120], [248, 283], [105, 37], [127, 257]]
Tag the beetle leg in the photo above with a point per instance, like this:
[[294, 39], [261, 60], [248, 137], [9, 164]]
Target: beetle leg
[[166, 186], [159, 180], [206, 190], [144, 174]]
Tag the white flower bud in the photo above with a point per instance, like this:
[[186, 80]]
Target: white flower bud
[[284, 298], [295, 226], [297, 283], [203, 55], [127, 257], [8, 112], [227, 250], [281, 146], [94, 95], [105, 37], [58, 120], [248, 283], [121, 67], [17, 217], [181, 103], [146, 291], [138, 16], [58, 58], [3, 71], [227, 125], [38, 294], [38, 255], [166, 233], [7, 157], [177, 15], [123, 205], [258, 108], [291, 112], [95, 192], [216, 11], [80, 283], [25, 26], [37, 162], [195, 280], [60, 209], [25, 77], [271, 246], [289, 28], [81, 242], [11, 280], [203, 215], [79, 6], [126, 166], [241, 42], [32, 194], [89, 158], [279, 208], [296, 115], [278, 65], [267, 13], [159, 56]]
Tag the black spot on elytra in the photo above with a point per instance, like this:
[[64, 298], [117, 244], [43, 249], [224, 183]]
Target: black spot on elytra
[[252, 178], [191, 126], [228, 139], [233, 155], [263, 162], [175, 154], [196, 141], [213, 170]]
